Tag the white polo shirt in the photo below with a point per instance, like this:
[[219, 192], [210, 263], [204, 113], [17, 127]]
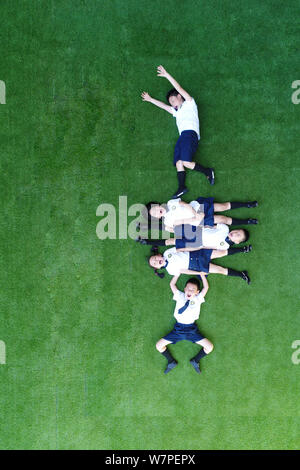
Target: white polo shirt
[[187, 117], [192, 312], [176, 212], [215, 237], [176, 261]]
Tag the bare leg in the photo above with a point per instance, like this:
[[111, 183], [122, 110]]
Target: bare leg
[[222, 219], [206, 344], [218, 254], [161, 345], [189, 165], [179, 165], [215, 269], [221, 206]]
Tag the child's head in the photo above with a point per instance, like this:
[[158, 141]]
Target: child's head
[[156, 261], [192, 288], [239, 235], [155, 209], [174, 98]]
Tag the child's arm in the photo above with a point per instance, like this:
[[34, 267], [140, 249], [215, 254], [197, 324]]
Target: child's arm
[[189, 271], [169, 229], [191, 249], [173, 284], [205, 284], [161, 72], [146, 97], [193, 220]]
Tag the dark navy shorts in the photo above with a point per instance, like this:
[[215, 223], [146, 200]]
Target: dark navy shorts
[[186, 146], [188, 236], [199, 260], [188, 332], [208, 203]]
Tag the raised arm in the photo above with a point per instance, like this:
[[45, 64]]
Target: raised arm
[[205, 284], [173, 284], [161, 72], [146, 97], [189, 271], [195, 217], [169, 229]]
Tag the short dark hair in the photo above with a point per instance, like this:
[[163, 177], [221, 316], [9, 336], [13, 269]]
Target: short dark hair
[[194, 281], [173, 92], [247, 235]]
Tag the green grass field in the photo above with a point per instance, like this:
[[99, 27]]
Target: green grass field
[[79, 316]]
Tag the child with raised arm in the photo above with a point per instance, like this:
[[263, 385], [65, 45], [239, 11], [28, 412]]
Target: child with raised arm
[[186, 313], [183, 107]]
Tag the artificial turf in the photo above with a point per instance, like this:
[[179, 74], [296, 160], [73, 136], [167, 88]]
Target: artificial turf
[[80, 316]]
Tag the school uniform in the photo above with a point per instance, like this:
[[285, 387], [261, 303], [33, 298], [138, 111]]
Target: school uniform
[[186, 312], [187, 121], [176, 212], [197, 260], [208, 208], [216, 237]]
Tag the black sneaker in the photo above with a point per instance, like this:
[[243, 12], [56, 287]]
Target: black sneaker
[[141, 241], [246, 277], [170, 366], [247, 249], [195, 364], [252, 204], [180, 193], [252, 221], [211, 177]]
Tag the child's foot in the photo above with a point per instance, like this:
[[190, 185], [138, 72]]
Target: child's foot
[[252, 204], [246, 277], [170, 366], [180, 192], [195, 364], [211, 176], [247, 249], [252, 221]]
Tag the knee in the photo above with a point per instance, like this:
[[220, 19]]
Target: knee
[[209, 348], [179, 165], [160, 346], [220, 219]]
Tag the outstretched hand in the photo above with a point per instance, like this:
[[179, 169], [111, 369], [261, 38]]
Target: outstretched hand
[[161, 71], [145, 96]]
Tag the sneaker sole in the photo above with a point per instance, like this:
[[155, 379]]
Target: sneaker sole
[[177, 195], [197, 368], [168, 369]]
